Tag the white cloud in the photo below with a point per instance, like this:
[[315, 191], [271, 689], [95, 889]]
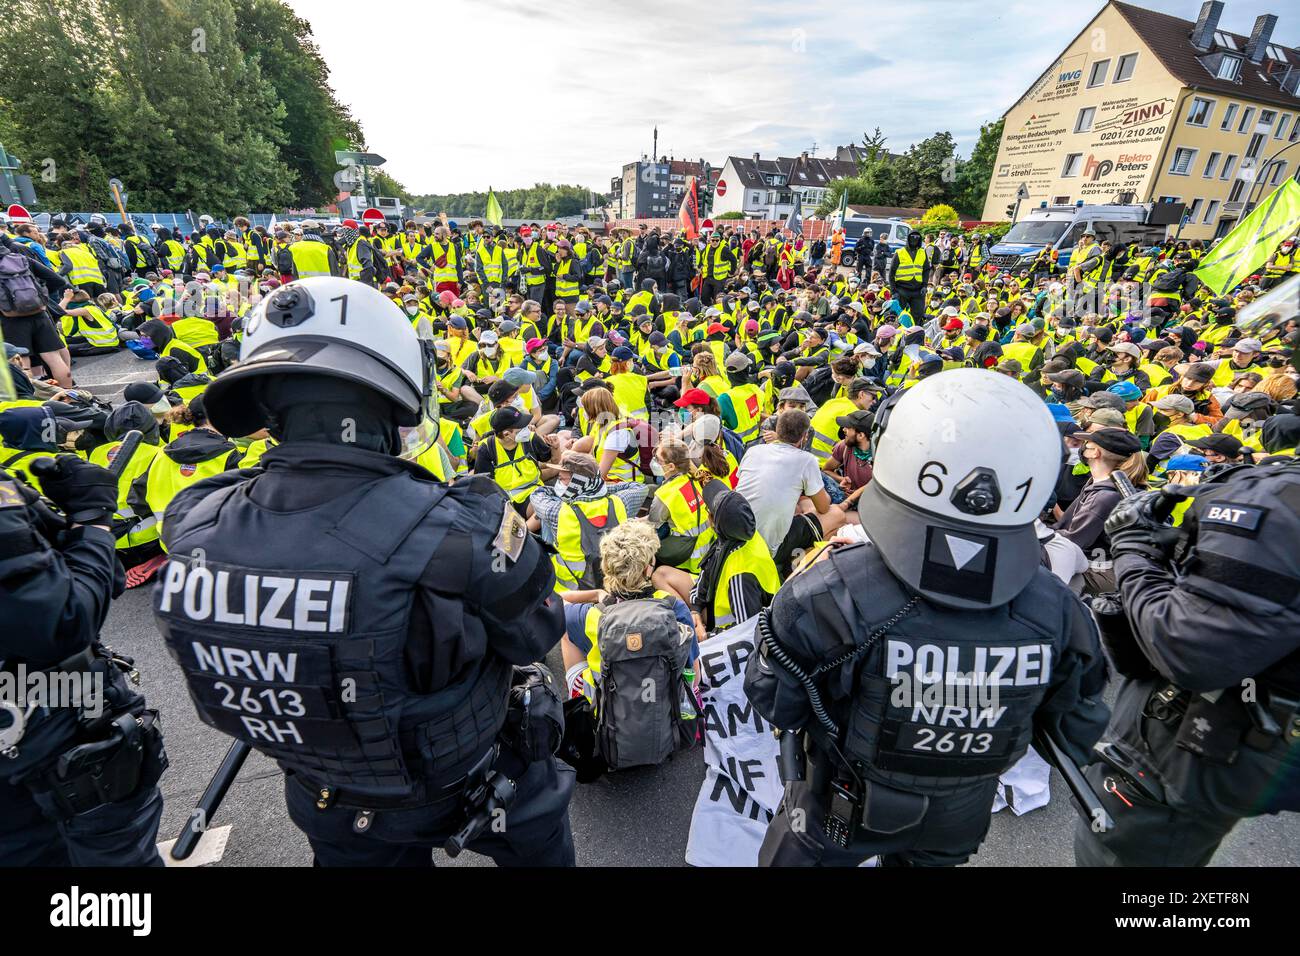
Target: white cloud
[[462, 94]]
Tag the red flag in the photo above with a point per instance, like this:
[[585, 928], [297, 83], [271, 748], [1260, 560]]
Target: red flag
[[689, 215]]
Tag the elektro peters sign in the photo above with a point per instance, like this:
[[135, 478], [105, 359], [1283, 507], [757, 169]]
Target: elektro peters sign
[[1096, 169]]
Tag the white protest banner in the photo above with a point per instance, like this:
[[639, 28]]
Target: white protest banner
[[741, 786]]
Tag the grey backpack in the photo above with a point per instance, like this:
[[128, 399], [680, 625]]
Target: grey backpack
[[19, 293], [644, 709]]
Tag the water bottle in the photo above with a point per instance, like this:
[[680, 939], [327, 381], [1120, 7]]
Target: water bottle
[[689, 705]]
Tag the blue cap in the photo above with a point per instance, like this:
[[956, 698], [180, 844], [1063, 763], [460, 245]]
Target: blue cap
[[146, 295], [1126, 390], [216, 267], [1060, 413], [1187, 463], [622, 354], [458, 322]]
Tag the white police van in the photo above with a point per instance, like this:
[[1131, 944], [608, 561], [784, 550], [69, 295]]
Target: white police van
[[1059, 228], [894, 231]]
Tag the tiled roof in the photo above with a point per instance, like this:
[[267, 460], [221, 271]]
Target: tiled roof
[[1169, 38], [811, 171]]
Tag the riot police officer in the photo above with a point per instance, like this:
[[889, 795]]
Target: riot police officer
[[1206, 728], [917, 667], [80, 756], [345, 613]]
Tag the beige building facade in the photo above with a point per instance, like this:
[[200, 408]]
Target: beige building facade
[[1146, 107]]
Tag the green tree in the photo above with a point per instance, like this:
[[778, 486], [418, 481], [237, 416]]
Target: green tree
[[974, 175], [940, 215], [54, 113], [541, 201], [873, 145], [219, 106], [314, 123], [382, 184]]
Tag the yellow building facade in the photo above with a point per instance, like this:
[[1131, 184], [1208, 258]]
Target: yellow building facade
[[1145, 107]]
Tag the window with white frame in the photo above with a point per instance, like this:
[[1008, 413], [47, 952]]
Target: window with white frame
[[1229, 115], [1072, 164], [1181, 163], [1247, 119], [1194, 209], [1229, 68], [1199, 114], [1212, 164], [1279, 172], [1084, 121], [1097, 75], [1228, 165], [1124, 68], [1211, 210], [1282, 124]]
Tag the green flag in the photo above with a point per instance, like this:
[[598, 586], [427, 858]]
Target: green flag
[[493, 214], [843, 212], [1253, 240]]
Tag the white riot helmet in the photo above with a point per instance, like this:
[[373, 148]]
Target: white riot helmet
[[328, 326], [964, 462]]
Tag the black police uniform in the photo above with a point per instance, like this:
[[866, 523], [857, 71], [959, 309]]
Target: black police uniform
[[357, 621], [1205, 729], [926, 774], [104, 808]]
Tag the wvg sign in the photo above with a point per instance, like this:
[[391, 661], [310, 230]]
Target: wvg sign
[[1073, 76]]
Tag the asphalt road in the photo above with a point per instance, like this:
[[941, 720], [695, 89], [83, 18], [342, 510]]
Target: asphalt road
[[639, 818]]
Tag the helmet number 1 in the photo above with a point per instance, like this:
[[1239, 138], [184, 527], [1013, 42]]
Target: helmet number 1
[[342, 300], [930, 484], [1025, 494]]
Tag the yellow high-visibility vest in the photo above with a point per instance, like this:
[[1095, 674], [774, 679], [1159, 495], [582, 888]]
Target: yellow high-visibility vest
[[566, 279], [688, 516], [630, 393], [516, 473], [825, 429], [447, 271], [492, 263], [96, 328], [747, 402], [570, 558], [104, 456], [310, 258], [85, 267], [752, 557], [168, 478], [621, 469], [909, 265]]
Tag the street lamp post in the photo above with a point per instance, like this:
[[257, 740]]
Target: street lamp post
[[1263, 169]]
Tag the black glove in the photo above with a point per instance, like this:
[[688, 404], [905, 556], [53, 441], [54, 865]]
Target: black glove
[[1139, 524], [86, 493]]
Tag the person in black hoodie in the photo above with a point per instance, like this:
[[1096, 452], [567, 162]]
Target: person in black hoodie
[[199, 453], [181, 380], [653, 264], [137, 538], [682, 268], [27, 433]]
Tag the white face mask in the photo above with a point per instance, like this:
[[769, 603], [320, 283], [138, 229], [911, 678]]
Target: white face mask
[[561, 487], [656, 468], [523, 435], [1072, 458], [490, 351]]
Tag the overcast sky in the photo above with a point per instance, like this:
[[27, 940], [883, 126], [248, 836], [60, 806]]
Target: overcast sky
[[567, 91]]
